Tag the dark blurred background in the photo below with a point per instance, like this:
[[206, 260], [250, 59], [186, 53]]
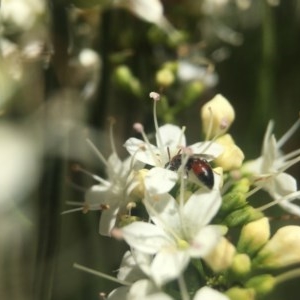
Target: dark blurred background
[[67, 66]]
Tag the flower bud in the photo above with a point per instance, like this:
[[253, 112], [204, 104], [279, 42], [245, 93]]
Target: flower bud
[[241, 265], [126, 80], [221, 257], [233, 201], [164, 77], [232, 157], [242, 185], [262, 284], [282, 249], [254, 235], [236, 293], [242, 216], [217, 116]]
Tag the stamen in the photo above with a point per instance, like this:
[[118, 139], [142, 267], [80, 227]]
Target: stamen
[[288, 197], [288, 164], [97, 152], [253, 191], [160, 144], [77, 168], [111, 134], [75, 186], [287, 276], [288, 134], [290, 155], [140, 128], [100, 274], [183, 288], [72, 210]]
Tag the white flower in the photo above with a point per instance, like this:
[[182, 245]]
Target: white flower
[[270, 166], [179, 232], [141, 289], [170, 141], [207, 293], [28, 12], [111, 195], [150, 11], [19, 160], [188, 72]]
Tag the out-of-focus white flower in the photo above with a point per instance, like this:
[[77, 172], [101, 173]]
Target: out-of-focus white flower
[[178, 233], [187, 72], [22, 13], [19, 160], [148, 10], [269, 169]]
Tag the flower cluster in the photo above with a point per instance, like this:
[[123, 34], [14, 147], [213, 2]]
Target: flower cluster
[[175, 205]]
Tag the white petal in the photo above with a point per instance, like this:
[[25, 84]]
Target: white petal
[[143, 260], [201, 207], [168, 265], [159, 180], [142, 288], [290, 207], [170, 136], [207, 293], [119, 293], [146, 237], [158, 296], [115, 165], [129, 270], [108, 220], [164, 212], [96, 195], [208, 149], [285, 184], [149, 10], [205, 241], [253, 166], [142, 151]]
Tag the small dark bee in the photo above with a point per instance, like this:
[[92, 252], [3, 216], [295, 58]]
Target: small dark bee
[[200, 167]]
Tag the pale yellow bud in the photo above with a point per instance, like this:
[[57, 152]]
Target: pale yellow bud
[[254, 236], [221, 257], [237, 293], [217, 116], [136, 187], [164, 77], [232, 157], [241, 265], [282, 249]]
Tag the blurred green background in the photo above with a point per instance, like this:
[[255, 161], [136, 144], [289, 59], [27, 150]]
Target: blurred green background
[[67, 66]]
